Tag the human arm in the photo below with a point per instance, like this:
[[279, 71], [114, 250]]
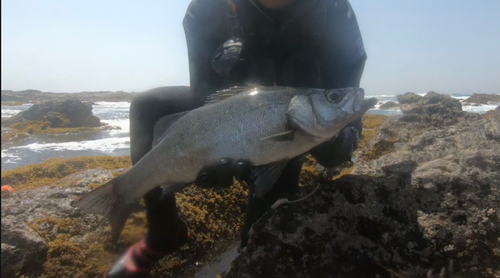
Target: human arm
[[342, 66], [204, 29]]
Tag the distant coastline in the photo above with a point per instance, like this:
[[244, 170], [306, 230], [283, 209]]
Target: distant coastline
[[37, 96]]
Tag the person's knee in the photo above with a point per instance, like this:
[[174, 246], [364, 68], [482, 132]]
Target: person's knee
[[161, 101], [140, 104]]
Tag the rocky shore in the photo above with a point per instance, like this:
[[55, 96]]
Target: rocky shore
[[422, 200], [36, 96], [483, 99], [44, 236]]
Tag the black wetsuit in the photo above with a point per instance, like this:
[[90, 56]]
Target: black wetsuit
[[311, 43]]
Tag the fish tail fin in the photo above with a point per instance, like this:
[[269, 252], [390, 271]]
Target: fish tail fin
[[105, 201]]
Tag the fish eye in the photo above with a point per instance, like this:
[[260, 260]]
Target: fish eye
[[332, 96]]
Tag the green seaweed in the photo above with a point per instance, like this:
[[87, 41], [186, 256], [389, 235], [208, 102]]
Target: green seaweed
[[41, 174]]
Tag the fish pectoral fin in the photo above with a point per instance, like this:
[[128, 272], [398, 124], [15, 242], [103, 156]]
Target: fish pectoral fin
[[226, 93], [286, 135], [282, 136], [264, 177], [163, 124], [105, 202]]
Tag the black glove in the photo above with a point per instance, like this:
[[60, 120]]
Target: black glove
[[221, 174], [338, 150]]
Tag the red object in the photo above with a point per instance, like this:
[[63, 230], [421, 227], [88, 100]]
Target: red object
[[7, 188]]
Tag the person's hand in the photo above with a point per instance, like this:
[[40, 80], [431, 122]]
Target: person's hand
[[221, 174]]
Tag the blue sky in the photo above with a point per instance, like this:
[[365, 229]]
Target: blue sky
[[71, 46]]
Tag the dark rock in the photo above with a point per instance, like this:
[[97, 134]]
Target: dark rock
[[389, 105], [456, 183], [427, 199], [483, 98], [444, 102], [404, 168], [92, 121], [56, 119], [68, 113], [408, 98], [410, 118], [498, 108], [434, 108], [11, 260], [343, 230]]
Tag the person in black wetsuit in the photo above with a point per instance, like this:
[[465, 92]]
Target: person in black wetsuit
[[296, 43]]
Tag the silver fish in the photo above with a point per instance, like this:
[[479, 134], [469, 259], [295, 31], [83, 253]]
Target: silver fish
[[264, 125]]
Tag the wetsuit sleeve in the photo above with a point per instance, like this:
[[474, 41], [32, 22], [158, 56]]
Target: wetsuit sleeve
[[344, 55], [343, 63], [204, 28]]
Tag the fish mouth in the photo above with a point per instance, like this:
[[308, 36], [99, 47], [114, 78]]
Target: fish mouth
[[368, 104], [355, 103], [356, 110]]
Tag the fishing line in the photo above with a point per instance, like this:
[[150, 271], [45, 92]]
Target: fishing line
[[286, 201]]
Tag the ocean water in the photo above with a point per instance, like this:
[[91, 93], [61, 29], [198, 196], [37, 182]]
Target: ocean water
[[116, 142], [38, 148]]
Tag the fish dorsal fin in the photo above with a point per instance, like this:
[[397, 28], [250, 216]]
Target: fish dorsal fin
[[227, 93]]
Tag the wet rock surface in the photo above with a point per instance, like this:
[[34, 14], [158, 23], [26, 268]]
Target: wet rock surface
[[424, 198]]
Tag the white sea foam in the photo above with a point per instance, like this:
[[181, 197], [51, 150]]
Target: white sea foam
[[114, 114], [9, 111], [106, 145], [460, 97], [478, 109], [5, 154], [9, 157], [122, 124], [118, 104]]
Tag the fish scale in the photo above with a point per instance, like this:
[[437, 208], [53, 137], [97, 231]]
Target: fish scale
[[194, 134]]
